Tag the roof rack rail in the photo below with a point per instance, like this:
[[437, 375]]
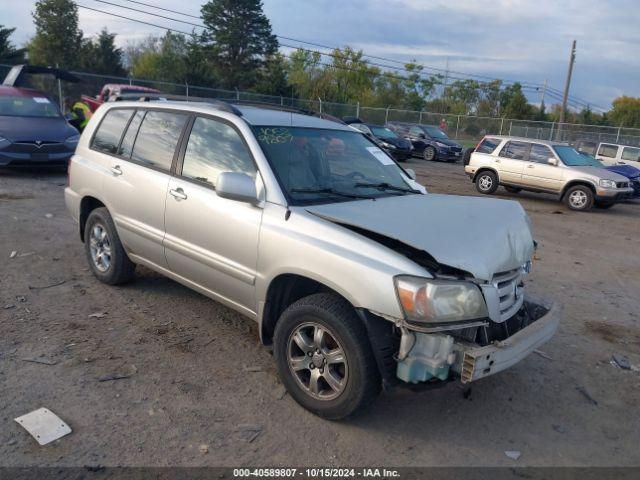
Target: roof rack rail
[[163, 97]]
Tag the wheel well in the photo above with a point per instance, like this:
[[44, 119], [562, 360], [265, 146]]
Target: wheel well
[[578, 182], [87, 205], [485, 169], [284, 290]]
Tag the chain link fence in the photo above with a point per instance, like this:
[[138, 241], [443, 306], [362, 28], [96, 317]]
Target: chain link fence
[[464, 128]]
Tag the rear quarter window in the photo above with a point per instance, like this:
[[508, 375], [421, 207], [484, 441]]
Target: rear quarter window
[[109, 132], [631, 154], [609, 151], [488, 145]]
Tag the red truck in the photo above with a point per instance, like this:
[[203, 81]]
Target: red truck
[[111, 89]]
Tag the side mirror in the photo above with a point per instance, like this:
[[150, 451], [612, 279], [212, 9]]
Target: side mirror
[[237, 186], [553, 161], [411, 173]]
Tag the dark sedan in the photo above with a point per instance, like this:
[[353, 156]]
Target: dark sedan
[[429, 141], [33, 131], [398, 147]]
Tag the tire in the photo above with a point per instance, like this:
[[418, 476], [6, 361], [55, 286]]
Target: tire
[[466, 157], [429, 153], [579, 197], [111, 265], [512, 189], [353, 383], [486, 182]]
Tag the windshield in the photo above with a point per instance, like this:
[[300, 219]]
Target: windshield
[[572, 158], [435, 132], [18, 106], [383, 132], [321, 166]]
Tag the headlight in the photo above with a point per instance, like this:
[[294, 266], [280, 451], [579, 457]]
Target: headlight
[[387, 145], [608, 183], [72, 141], [441, 145], [439, 301]]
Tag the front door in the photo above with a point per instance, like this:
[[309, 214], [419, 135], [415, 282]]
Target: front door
[[538, 173], [210, 241]]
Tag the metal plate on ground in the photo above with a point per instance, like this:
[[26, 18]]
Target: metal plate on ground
[[44, 425]]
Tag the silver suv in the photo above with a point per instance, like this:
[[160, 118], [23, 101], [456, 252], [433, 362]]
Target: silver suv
[[356, 276], [545, 167]]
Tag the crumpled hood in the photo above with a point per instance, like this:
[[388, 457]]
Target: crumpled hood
[[482, 236], [625, 170]]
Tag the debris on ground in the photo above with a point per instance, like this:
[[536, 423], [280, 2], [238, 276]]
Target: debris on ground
[[44, 425], [48, 215], [98, 315], [26, 254], [21, 298], [43, 361], [557, 212], [543, 355], [513, 454], [55, 284], [119, 375], [620, 362], [13, 254], [204, 448], [255, 430], [559, 428], [587, 395], [9, 306]]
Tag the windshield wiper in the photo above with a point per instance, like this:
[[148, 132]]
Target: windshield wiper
[[386, 186], [330, 191]]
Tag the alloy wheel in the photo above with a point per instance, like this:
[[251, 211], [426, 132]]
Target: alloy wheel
[[100, 247], [485, 182], [578, 199], [317, 361]]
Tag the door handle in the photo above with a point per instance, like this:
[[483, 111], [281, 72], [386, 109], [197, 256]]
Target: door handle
[[178, 193], [116, 170], [497, 161]]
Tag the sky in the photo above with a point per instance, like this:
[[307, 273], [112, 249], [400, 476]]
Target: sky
[[528, 41]]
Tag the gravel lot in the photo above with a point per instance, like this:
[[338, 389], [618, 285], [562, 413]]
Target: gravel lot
[[201, 390]]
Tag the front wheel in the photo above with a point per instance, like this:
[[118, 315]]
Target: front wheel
[[579, 197], [487, 182], [324, 358], [429, 154]]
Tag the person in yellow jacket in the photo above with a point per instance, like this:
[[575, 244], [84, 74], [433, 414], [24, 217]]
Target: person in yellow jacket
[[81, 114]]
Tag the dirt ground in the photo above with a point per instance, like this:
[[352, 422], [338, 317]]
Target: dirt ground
[[201, 390]]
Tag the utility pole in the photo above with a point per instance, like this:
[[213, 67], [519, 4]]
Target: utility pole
[[565, 97], [544, 91]]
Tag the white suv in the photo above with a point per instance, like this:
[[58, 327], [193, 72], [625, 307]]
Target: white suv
[[304, 225]]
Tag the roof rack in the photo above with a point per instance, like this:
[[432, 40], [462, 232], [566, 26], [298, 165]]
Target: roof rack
[[283, 108], [164, 97]]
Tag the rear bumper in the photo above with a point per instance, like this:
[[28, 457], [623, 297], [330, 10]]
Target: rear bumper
[[473, 363]]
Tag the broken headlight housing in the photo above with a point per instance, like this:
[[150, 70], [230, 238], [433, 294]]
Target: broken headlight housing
[[428, 300]]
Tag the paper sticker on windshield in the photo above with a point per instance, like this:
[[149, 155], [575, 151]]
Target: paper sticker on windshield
[[41, 100], [275, 135], [380, 155]]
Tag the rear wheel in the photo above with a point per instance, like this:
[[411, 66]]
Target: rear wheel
[[429, 153], [324, 358], [107, 258], [486, 182], [579, 197]]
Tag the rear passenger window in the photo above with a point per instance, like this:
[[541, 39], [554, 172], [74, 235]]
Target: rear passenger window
[[157, 138], [540, 154], [126, 147], [107, 137], [215, 147], [515, 150], [488, 145], [631, 153], [609, 151]]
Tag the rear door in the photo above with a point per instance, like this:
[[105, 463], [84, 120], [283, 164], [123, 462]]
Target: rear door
[[538, 173], [210, 241], [137, 187], [510, 161]]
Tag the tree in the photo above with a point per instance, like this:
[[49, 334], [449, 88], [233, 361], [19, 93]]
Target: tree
[[515, 103], [273, 78], [100, 55], [239, 39], [8, 53], [625, 112], [58, 39]]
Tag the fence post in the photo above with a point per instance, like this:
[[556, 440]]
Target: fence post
[[130, 81], [526, 131], [358, 110], [618, 134], [420, 118], [501, 124], [510, 125], [281, 101], [237, 94], [457, 126], [186, 89], [553, 124], [320, 100], [386, 114]]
